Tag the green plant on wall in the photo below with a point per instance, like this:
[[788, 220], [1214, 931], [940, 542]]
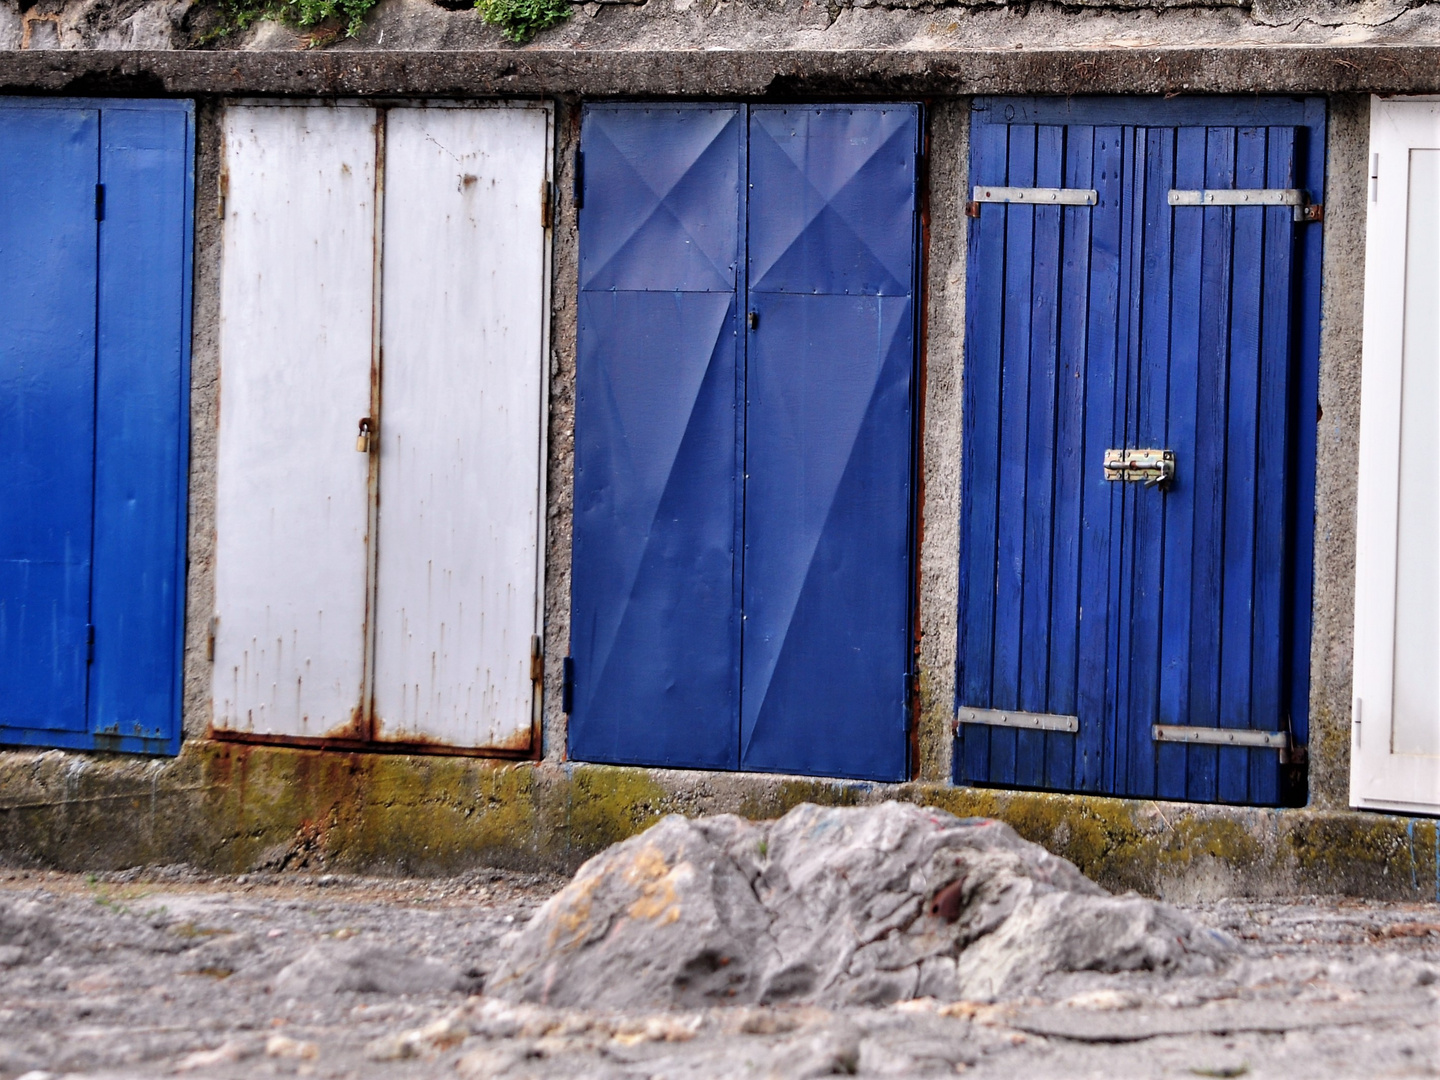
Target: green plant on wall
[[240, 14], [520, 20]]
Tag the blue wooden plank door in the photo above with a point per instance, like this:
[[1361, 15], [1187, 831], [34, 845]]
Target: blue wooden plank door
[[654, 604], [1131, 324], [827, 463], [95, 213], [49, 165]]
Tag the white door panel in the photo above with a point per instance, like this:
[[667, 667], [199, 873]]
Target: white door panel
[[295, 356], [461, 425], [1395, 749]]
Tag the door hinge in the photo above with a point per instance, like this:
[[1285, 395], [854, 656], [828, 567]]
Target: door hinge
[[537, 659], [210, 640], [1033, 196], [546, 204], [567, 685], [577, 185], [221, 194], [99, 202], [1295, 198], [1015, 718], [1208, 736], [89, 643]]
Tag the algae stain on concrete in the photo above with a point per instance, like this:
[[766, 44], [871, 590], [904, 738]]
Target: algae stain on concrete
[[608, 804]]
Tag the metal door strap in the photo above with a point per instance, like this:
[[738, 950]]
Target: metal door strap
[[1179, 733], [1037, 196], [1305, 210], [1034, 721]]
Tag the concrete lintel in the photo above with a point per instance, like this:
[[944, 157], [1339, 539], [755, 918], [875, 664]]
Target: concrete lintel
[[693, 73], [232, 808]]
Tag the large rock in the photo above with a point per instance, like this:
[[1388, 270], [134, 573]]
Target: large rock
[[834, 906]]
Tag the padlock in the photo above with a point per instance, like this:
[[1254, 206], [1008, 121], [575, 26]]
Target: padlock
[[362, 441]]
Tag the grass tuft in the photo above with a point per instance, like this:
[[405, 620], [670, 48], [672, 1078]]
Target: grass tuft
[[520, 20]]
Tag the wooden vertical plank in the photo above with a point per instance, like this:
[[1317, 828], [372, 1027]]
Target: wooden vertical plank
[[1104, 420], [1241, 434], [1149, 428], [1173, 706], [1209, 469], [459, 432], [1273, 458], [1122, 555], [295, 344], [1072, 381], [985, 314], [1013, 481], [1039, 459]]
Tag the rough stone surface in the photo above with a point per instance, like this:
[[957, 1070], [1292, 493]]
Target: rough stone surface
[[836, 906], [170, 972]]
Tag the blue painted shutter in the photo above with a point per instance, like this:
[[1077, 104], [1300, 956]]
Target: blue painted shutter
[[655, 627], [48, 172], [1142, 325], [1041, 404], [828, 439], [141, 426]]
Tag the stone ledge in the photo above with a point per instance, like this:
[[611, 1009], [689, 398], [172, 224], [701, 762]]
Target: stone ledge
[[688, 73], [232, 808]]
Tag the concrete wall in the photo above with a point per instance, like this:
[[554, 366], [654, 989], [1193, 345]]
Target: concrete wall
[[232, 807]]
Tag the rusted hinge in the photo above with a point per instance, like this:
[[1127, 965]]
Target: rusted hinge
[[547, 204], [537, 659], [221, 194]]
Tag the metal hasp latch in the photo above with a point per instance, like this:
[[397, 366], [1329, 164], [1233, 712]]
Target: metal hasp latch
[[1295, 198], [1030, 196], [1153, 468]]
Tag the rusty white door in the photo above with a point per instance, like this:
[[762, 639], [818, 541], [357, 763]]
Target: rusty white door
[[298, 185], [390, 594], [461, 425]]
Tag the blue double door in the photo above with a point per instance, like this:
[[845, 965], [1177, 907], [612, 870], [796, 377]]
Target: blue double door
[[741, 588], [94, 325], [1126, 632]]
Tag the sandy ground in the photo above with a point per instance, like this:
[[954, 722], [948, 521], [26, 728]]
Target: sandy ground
[[169, 972]]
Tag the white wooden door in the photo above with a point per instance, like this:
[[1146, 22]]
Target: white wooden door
[[1395, 729], [462, 424], [295, 359]]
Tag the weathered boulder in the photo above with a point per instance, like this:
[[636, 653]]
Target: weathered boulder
[[835, 906]]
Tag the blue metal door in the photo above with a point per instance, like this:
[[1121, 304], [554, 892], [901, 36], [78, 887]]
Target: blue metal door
[[94, 328], [655, 627], [828, 447], [753, 474], [1114, 634], [48, 183]]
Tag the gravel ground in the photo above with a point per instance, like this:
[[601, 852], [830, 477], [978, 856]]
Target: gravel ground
[[167, 972]]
